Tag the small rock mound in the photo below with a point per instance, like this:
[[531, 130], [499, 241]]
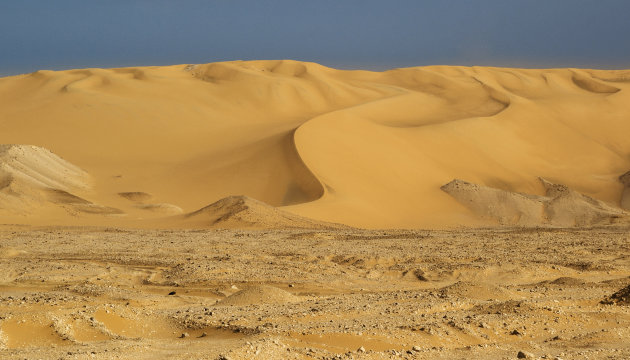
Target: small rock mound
[[621, 297], [620, 282], [505, 307], [262, 294], [568, 281], [242, 212], [524, 355], [475, 290]]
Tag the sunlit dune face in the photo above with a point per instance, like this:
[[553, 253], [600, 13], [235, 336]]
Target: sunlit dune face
[[360, 148]]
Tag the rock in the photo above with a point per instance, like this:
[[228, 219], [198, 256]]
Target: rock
[[625, 195], [204, 334], [172, 293], [361, 349], [184, 335], [416, 348], [621, 297], [524, 355]]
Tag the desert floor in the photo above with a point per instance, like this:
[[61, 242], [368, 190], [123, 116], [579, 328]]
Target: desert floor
[[83, 293]]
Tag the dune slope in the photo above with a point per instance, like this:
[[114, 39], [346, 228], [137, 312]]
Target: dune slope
[[367, 149]]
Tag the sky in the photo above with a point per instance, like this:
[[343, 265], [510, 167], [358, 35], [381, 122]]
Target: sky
[[361, 34]]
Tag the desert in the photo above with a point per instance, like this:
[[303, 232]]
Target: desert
[[281, 209]]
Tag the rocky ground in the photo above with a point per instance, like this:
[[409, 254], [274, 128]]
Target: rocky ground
[[102, 293]]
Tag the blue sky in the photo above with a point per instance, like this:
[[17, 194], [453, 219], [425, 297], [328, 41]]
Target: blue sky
[[64, 34]]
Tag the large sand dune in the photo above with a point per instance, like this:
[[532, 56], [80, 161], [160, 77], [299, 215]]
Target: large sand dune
[[367, 149]]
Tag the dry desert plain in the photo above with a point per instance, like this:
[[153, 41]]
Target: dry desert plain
[[286, 210]]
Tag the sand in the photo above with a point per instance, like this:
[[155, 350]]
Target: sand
[[286, 210], [364, 149]]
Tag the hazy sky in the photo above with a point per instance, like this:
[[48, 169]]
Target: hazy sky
[[64, 34]]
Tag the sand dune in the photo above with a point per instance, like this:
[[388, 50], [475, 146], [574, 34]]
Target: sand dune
[[366, 149]]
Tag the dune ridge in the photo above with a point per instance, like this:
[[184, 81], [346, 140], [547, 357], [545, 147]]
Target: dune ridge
[[367, 149]]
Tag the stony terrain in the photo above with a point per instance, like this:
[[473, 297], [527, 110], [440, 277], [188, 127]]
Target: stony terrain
[[103, 293]]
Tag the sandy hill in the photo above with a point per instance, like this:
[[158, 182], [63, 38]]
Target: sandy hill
[[258, 294], [367, 149], [242, 212]]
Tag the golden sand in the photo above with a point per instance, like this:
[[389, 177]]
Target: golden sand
[[365, 149]]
